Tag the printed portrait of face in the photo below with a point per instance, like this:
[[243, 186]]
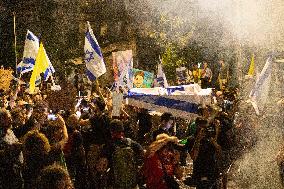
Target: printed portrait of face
[[138, 79]]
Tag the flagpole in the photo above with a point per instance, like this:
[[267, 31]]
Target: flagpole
[[15, 40], [99, 89], [52, 80], [15, 50]]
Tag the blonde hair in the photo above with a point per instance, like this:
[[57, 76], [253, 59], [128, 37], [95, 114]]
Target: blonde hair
[[161, 141]]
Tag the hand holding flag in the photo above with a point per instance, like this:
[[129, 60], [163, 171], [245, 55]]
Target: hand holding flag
[[93, 56]]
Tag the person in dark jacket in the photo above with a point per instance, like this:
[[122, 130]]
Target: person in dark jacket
[[36, 150], [167, 123], [11, 157], [74, 152], [135, 158]]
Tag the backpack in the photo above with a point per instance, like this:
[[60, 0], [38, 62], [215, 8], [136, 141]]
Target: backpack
[[124, 166]]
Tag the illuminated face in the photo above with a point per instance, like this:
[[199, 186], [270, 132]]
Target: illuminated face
[[169, 124], [138, 81]]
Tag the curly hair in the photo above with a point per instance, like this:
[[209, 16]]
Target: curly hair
[[161, 141], [40, 105], [59, 123], [36, 143], [54, 177], [56, 131]]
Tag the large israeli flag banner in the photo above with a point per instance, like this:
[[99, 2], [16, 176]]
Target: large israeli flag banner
[[182, 101], [93, 56], [260, 92], [30, 52]]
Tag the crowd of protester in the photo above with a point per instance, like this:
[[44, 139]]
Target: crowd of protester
[[202, 74], [86, 148]]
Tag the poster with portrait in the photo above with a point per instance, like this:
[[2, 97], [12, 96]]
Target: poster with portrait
[[142, 79], [122, 66]]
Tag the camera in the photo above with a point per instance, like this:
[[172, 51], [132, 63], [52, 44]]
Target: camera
[[210, 131], [86, 109], [227, 105], [52, 117]]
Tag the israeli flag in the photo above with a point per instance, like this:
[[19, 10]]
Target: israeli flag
[[23, 68], [181, 101], [49, 71], [30, 52], [260, 92], [93, 56], [161, 77]]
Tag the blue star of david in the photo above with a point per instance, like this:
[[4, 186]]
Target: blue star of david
[[89, 56]]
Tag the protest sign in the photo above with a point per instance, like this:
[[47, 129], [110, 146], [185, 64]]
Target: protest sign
[[117, 99], [122, 66], [142, 79]]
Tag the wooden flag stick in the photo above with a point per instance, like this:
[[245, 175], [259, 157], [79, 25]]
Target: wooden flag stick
[[15, 40]]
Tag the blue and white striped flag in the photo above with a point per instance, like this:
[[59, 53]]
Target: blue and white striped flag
[[93, 55], [49, 71], [260, 92], [181, 101], [161, 77], [30, 53]]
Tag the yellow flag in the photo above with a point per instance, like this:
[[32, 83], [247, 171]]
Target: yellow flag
[[251, 67], [41, 64]]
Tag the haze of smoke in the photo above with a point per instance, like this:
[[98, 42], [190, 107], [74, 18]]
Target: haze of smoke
[[249, 22], [258, 24]]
